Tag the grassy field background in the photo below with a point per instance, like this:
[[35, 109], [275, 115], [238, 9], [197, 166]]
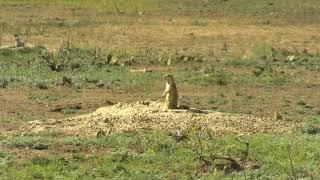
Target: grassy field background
[[244, 56]]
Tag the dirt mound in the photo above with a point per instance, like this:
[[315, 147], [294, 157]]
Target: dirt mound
[[131, 117]]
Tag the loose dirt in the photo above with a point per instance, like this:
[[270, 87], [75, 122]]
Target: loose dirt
[[150, 115]]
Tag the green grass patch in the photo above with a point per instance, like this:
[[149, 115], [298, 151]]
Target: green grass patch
[[103, 68], [312, 126], [33, 142], [159, 155]]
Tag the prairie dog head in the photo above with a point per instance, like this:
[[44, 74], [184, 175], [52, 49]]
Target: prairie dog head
[[168, 78], [16, 37]]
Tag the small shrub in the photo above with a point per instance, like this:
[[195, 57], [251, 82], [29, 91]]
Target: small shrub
[[313, 127], [25, 117], [262, 66], [200, 22], [6, 52], [280, 79], [217, 100], [257, 72], [122, 155], [93, 80], [69, 111], [105, 84], [78, 156], [67, 80], [300, 110], [77, 85], [33, 142], [56, 62], [263, 51], [4, 158], [3, 155], [240, 62], [217, 75], [3, 83], [42, 161], [301, 102], [196, 58], [42, 85], [75, 65], [221, 77]]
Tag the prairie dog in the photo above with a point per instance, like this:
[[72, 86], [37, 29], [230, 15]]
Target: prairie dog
[[171, 92], [277, 116], [18, 42]]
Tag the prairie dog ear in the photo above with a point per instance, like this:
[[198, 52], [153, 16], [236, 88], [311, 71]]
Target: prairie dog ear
[[169, 77]]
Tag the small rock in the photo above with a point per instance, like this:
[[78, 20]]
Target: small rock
[[291, 58]]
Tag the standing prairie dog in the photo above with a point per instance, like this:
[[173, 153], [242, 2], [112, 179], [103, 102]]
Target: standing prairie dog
[[171, 92], [277, 116], [18, 42]]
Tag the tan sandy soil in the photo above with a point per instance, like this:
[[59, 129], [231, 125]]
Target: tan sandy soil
[[149, 115]]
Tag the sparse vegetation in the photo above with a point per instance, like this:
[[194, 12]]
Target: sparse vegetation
[[312, 127], [229, 56], [3, 83], [136, 155]]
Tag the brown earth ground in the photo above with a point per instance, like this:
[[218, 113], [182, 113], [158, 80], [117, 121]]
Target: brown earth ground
[[87, 28], [83, 28], [20, 107]]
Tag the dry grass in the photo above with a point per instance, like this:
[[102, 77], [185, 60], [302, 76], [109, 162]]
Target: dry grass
[[130, 32], [215, 32]]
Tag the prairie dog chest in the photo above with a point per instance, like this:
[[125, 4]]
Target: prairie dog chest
[[171, 89], [171, 93], [18, 43]]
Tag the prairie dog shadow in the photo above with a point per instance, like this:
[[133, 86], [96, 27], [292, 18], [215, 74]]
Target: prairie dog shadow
[[184, 108]]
